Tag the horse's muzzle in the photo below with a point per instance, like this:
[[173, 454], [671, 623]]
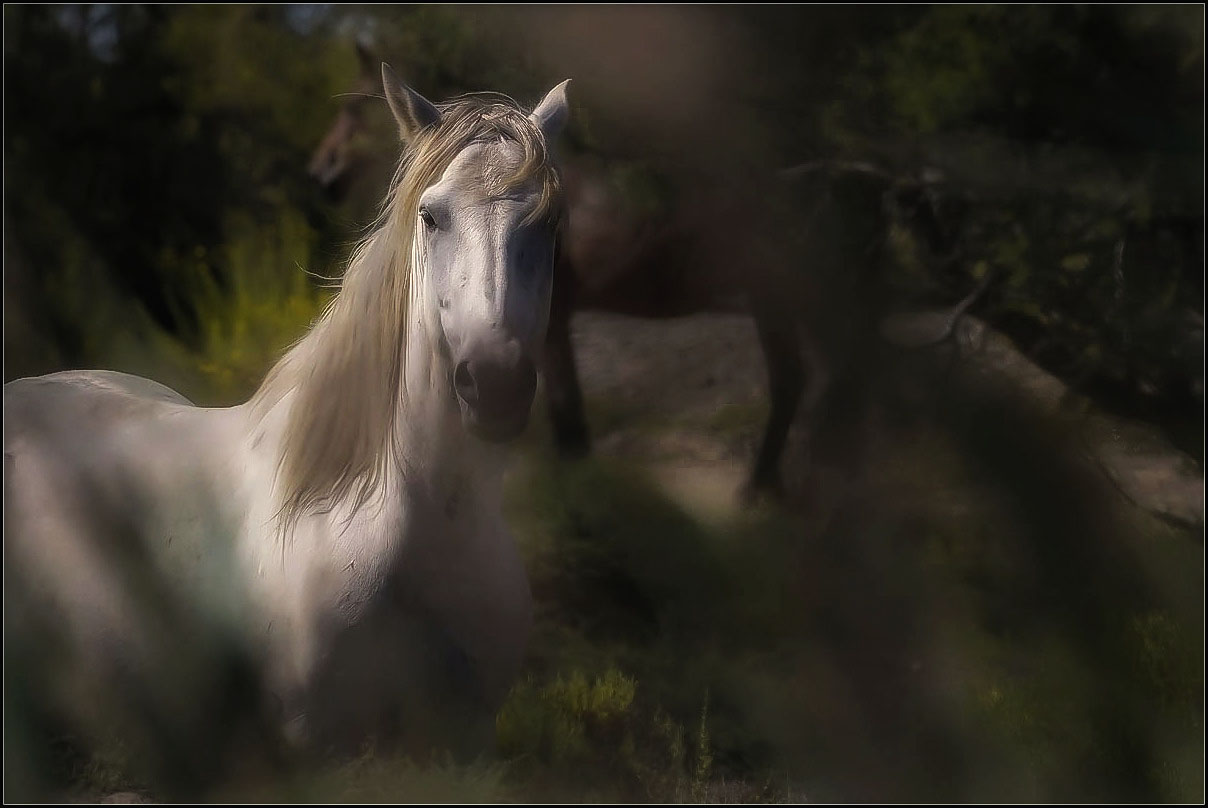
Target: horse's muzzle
[[495, 388]]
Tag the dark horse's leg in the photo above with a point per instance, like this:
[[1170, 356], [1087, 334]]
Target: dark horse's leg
[[786, 377], [561, 379]]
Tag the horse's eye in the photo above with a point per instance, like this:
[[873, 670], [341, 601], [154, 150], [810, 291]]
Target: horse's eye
[[426, 215]]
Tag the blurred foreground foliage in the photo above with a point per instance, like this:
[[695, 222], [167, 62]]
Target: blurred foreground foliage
[[158, 220], [971, 623]]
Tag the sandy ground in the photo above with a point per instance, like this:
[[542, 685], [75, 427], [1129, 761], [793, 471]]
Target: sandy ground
[[666, 385], [684, 397]]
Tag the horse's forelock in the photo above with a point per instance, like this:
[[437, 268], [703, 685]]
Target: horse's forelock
[[478, 118]]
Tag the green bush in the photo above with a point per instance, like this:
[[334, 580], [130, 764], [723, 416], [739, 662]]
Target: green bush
[[579, 731]]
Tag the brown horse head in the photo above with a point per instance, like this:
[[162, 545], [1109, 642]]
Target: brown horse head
[[339, 160]]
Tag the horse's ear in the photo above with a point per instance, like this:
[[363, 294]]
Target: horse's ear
[[551, 114], [413, 112]]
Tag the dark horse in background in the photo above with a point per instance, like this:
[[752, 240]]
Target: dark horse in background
[[801, 252]]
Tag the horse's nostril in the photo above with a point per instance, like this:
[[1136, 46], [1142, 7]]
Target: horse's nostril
[[463, 382]]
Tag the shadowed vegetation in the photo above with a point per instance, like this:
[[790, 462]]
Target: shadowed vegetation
[[953, 604]]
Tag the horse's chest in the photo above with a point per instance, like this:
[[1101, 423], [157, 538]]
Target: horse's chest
[[458, 565], [428, 639]]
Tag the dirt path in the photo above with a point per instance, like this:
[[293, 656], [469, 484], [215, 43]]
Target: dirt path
[[685, 397]]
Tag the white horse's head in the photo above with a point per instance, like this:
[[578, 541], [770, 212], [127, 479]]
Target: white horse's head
[[457, 275], [485, 221]]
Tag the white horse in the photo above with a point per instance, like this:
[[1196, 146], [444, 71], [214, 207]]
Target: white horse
[[343, 529]]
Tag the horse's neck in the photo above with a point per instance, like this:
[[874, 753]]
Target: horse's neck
[[428, 454]]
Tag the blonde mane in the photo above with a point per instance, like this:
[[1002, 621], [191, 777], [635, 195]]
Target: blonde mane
[[346, 374]]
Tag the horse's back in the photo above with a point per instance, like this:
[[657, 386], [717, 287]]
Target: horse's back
[[68, 466], [75, 410], [91, 382], [109, 454], [75, 448]]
